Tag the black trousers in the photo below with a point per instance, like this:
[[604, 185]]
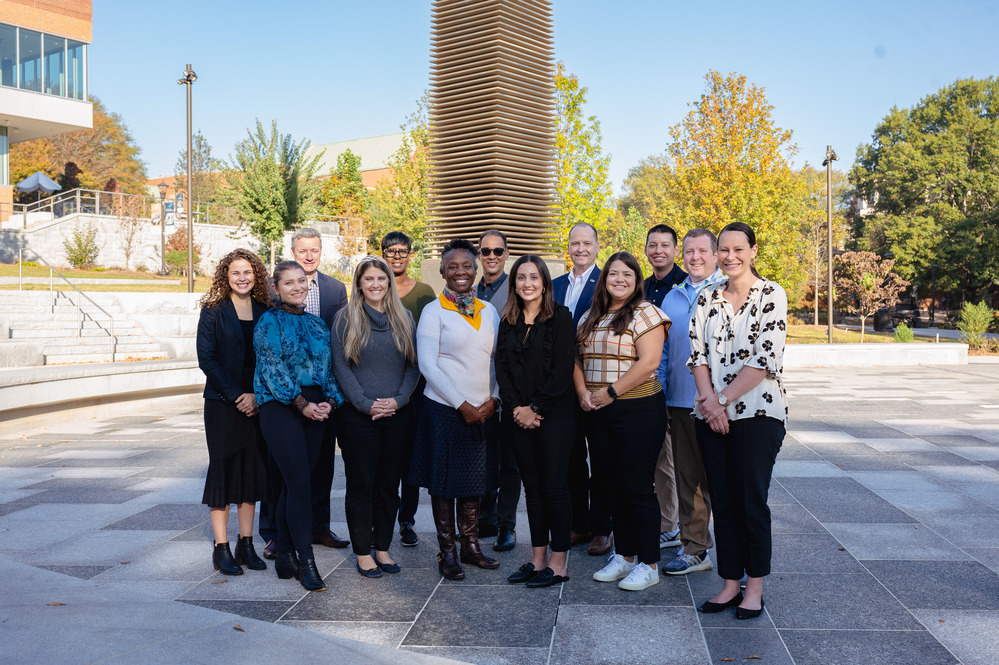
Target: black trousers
[[410, 495], [373, 455], [625, 439], [739, 466], [294, 443], [543, 459], [499, 507], [322, 478], [588, 486]]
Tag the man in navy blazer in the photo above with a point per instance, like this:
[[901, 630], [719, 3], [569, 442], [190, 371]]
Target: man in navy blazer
[[327, 296], [587, 487]]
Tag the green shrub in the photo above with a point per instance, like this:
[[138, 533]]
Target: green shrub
[[903, 334], [31, 264], [81, 246], [974, 323]]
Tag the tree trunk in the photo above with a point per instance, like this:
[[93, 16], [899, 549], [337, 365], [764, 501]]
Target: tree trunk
[[272, 256], [862, 320]]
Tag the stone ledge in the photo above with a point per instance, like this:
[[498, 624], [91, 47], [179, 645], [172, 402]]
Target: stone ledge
[[874, 355]]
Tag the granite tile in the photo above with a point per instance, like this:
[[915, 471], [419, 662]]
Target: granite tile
[[86, 494], [486, 655], [793, 518], [969, 634], [262, 610], [384, 633], [582, 589], [842, 500], [988, 556], [806, 468], [861, 647], [82, 572], [351, 597], [740, 645], [168, 516], [895, 541], [931, 458], [941, 585], [971, 529], [810, 553]]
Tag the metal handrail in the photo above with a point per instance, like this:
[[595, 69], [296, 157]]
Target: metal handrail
[[79, 309]]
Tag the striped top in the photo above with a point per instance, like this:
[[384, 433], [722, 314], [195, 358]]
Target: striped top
[[607, 357]]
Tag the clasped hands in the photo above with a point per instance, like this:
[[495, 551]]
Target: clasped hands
[[247, 404], [526, 418], [714, 413], [320, 411], [477, 415], [591, 401], [383, 408]]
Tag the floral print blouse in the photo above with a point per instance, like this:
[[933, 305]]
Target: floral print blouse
[[293, 350], [727, 341]]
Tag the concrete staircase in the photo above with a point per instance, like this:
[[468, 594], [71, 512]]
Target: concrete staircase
[[66, 335]]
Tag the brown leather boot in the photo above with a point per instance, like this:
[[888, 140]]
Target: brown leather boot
[[468, 528], [447, 558]]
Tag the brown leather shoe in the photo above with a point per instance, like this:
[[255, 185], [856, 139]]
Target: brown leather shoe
[[468, 520], [270, 550], [447, 558], [329, 539], [601, 545], [578, 538]]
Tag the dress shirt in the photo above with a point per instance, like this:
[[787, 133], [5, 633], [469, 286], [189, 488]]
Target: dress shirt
[[575, 289], [312, 297], [495, 293], [656, 289]]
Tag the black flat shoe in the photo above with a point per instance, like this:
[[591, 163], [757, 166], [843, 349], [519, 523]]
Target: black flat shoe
[[522, 574], [224, 562], [391, 568], [711, 608], [743, 613], [407, 536], [369, 572], [545, 578]]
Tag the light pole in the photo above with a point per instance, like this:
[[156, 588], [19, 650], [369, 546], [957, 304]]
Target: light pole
[[933, 296], [189, 78], [163, 190], [830, 157]]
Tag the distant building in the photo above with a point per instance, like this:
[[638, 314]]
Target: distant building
[[374, 151], [43, 75]]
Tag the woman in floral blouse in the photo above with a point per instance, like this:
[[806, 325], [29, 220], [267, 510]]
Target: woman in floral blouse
[[737, 338]]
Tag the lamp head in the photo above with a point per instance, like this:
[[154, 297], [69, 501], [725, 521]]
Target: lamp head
[[163, 190]]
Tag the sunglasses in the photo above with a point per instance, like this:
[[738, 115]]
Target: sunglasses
[[395, 253], [494, 251]]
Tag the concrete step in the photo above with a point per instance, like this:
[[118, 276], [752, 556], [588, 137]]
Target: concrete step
[[100, 346], [73, 358], [96, 323], [33, 297], [132, 333], [61, 314]]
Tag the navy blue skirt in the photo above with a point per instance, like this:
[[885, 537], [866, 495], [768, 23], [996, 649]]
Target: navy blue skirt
[[450, 457]]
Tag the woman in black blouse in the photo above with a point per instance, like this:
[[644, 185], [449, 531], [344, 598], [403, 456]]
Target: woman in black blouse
[[534, 364]]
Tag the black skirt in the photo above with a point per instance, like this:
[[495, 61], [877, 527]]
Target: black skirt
[[237, 456], [451, 458]]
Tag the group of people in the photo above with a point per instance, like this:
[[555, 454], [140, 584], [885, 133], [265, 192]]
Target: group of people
[[629, 410]]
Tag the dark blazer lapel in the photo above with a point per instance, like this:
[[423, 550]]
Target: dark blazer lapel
[[586, 297], [232, 321], [258, 310]]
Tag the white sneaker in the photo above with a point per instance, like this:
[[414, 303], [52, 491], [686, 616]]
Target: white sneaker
[[642, 577], [615, 569], [669, 539]]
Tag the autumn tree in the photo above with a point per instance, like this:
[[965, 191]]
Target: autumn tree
[[133, 216], [106, 151], [727, 161], [205, 169], [865, 283], [814, 235], [582, 186], [932, 175], [344, 195], [271, 181]]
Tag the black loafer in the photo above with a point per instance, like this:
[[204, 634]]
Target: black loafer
[[407, 536], [369, 572], [743, 613], [545, 578], [506, 540], [388, 567], [711, 608], [522, 574]]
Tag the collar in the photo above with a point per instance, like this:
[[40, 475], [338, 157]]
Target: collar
[[493, 285], [668, 277], [475, 321], [584, 277]]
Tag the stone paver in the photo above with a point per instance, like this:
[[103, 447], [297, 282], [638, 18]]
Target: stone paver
[[885, 507]]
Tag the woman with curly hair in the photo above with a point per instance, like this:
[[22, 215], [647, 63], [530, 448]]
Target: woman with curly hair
[[237, 467]]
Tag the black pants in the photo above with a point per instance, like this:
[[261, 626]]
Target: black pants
[[499, 507], [543, 459], [294, 443], [625, 439], [410, 495], [587, 487], [322, 478], [739, 466], [373, 454]]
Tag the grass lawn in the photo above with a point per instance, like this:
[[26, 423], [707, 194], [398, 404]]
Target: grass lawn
[[169, 283], [820, 335]]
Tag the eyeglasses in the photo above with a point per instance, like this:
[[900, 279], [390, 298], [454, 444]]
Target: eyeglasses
[[494, 251], [395, 253]]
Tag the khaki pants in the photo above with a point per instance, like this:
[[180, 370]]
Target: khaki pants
[[693, 499], [666, 487]]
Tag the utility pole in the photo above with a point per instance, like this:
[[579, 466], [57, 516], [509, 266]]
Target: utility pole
[[830, 158]]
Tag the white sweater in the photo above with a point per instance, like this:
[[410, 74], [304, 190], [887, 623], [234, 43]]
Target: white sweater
[[455, 358]]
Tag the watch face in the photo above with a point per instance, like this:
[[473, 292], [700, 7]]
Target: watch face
[[722, 400]]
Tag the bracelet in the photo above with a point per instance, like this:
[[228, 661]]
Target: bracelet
[[535, 408], [300, 402]]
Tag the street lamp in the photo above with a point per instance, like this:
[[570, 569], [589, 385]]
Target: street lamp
[[933, 296], [830, 157], [189, 78], [163, 190]]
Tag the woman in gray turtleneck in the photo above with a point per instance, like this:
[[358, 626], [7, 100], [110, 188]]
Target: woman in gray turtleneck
[[374, 360]]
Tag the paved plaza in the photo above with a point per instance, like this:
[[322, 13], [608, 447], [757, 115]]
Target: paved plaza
[[885, 508]]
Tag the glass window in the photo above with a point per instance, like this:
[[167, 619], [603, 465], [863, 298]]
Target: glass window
[[76, 80], [8, 56], [55, 66], [31, 60]]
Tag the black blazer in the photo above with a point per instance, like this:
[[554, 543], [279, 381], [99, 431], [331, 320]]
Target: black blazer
[[332, 298], [560, 286], [221, 349]]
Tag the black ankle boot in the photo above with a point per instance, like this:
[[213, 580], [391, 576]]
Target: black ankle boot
[[286, 565], [309, 575], [246, 556], [223, 561]]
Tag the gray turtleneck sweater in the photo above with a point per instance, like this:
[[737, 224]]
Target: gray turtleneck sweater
[[383, 371]]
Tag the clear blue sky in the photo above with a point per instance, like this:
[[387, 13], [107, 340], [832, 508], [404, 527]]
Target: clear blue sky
[[332, 71]]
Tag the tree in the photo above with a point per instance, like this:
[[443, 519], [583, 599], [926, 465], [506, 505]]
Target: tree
[[814, 239], [204, 170], [932, 175], [176, 252], [106, 151], [582, 185], [645, 190], [132, 214], [865, 283], [627, 234], [272, 183], [344, 195], [728, 162]]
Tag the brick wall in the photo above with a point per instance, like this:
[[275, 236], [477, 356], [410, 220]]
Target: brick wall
[[66, 18], [6, 202]]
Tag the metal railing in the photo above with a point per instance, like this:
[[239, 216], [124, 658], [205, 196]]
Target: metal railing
[[80, 314]]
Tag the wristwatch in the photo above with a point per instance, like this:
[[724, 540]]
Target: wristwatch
[[722, 399], [611, 391], [535, 408]]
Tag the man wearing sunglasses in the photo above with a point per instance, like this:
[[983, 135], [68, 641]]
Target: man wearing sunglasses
[[498, 512]]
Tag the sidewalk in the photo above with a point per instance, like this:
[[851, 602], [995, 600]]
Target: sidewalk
[[885, 509]]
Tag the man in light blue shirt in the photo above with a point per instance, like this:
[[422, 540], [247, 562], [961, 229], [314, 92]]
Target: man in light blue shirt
[[700, 260]]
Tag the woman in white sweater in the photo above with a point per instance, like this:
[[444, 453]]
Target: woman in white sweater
[[455, 449]]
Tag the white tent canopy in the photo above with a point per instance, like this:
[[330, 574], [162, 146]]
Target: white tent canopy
[[38, 181]]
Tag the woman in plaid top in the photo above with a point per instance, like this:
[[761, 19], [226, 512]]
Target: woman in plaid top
[[618, 348]]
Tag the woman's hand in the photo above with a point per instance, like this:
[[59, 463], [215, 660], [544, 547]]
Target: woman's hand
[[314, 411], [247, 404], [714, 413], [601, 398], [525, 417], [383, 408], [470, 414], [487, 409], [586, 401]]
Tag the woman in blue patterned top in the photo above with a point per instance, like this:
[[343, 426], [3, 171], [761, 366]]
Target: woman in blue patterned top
[[295, 391]]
